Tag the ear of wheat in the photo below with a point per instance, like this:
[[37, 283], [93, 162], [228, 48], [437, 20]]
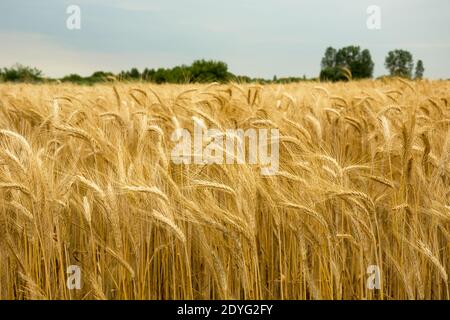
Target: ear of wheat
[[86, 179]]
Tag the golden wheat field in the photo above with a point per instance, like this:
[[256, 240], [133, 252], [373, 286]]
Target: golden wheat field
[[86, 179]]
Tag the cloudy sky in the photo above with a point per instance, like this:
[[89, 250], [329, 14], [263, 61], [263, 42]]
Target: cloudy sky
[[255, 37]]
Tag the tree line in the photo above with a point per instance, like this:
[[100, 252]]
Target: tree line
[[353, 63], [200, 71], [337, 65]]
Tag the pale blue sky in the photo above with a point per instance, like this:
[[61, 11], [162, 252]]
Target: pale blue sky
[[259, 38]]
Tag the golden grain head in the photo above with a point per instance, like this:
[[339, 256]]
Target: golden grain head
[[363, 180]]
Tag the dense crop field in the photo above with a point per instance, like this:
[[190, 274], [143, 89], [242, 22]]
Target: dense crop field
[[86, 179]]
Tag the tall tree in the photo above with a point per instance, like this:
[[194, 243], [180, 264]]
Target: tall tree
[[399, 63], [366, 64], [204, 71], [134, 73], [329, 59], [346, 57], [349, 58], [358, 62], [419, 70]]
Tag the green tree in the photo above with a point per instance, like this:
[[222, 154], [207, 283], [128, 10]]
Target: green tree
[[329, 59], [209, 71], [419, 70], [399, 63], [134, 73], [332, 74], [364, 66], [147, 74], [74, 78], [98, 76], [358, 62], [161, 76], [20, 73], [335, 64]]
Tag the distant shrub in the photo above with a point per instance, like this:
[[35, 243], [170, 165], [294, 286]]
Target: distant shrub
[[96, 77], [73, 78], [209, 71], [201, 71], [20, 73]]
